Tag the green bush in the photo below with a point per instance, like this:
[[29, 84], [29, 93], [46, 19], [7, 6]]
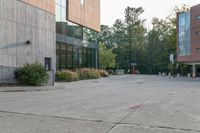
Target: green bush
[[104, 73], [67, 76], [32, 74], [88, 74]]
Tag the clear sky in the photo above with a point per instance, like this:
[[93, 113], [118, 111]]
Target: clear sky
[[114, 9]]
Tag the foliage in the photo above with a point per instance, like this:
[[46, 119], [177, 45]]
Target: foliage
[[106, 57], [86, 73], [131, 42], [103, 37], [32, 74], [67, 76], [104, 73]]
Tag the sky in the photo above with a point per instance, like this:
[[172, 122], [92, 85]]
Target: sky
[[114, 9]]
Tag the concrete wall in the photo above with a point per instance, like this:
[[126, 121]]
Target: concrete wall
[[20, 22]]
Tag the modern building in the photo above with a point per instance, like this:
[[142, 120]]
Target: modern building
[[73, 19], [27, 35], [188, 34], [47, 31]]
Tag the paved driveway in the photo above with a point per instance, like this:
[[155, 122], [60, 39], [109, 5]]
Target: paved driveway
[[118, 104]]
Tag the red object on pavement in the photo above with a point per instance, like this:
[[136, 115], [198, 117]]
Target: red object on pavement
[[135, 106]]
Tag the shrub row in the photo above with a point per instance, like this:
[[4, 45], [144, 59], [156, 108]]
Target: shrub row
[[36, 74], [32, 74], [82, 74], [104, 73], [88, 74], [67, 76]]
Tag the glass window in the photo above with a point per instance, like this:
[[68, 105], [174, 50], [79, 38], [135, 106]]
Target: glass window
[[93, 58], [80, 64], [58, 13], [198, 33], [198, 50], [48, 63], [57, 62], [84, 57], [63, 14], [57, 1], [89, 57], [69, 56], [61, 10], [58, 56], [82, 2], [184, 34], [198, 17], [78, 32], [63, 58], [75, 57], [63, 3], [182, 19], [61, 28]]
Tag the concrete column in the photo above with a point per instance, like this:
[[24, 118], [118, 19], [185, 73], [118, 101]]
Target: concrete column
[[194, 71]]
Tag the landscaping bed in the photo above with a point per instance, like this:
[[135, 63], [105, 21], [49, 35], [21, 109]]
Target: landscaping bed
[[80, 74]]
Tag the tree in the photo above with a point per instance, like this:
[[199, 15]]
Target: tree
[[161, 43], [130, 41], [135, 31], [119, 38], [104, 36], [106, 57]]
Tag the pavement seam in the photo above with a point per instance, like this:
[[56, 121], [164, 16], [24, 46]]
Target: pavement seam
[[160, 127], [119, 123], [123, 118], [100, 121], [155, 127], [57, 117]]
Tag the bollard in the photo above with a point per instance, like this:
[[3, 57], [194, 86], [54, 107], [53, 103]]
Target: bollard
[[160, 74], [169, 74]]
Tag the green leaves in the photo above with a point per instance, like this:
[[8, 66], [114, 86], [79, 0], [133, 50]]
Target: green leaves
[[128, 41], [106, 57], [32, 74]]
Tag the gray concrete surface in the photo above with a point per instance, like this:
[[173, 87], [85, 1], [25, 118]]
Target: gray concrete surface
[[19, 23], [118, 104]]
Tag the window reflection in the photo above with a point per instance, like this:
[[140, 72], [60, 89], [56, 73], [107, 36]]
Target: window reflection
[[69, 29], [184, 34], [61, 10], [71, 57]]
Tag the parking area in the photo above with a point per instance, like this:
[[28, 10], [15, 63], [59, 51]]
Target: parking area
[[118, 104]]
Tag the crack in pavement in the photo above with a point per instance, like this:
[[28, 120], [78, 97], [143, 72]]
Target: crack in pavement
[[101, 121], [58, 117], [142, 126], [157, 127], [126, 116]]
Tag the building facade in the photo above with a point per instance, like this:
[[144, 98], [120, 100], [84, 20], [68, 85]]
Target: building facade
[[188, 34], [73, 18], [50, 32], [27, 35]]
